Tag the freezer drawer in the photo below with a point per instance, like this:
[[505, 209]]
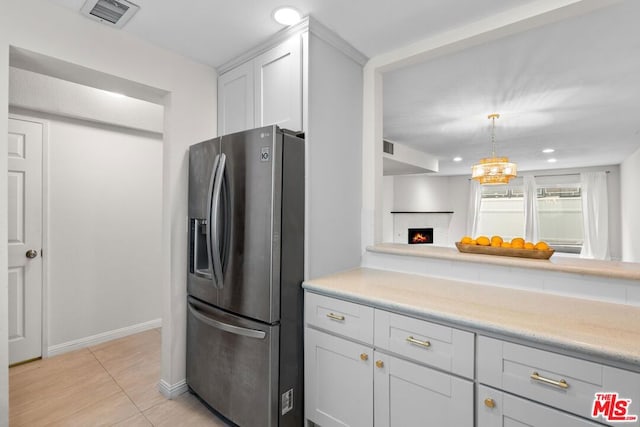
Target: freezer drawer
[[232, 364]]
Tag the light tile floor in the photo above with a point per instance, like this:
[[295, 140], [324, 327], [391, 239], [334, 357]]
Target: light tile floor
[[110, 384]]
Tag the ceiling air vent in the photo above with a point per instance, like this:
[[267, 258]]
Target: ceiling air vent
[[387, 147], [115, 13]]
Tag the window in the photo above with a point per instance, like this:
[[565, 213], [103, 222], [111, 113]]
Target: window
[[560, 217], [501, 212], [560, 221]]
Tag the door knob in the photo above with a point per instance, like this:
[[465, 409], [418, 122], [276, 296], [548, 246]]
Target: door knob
[[31, 253]]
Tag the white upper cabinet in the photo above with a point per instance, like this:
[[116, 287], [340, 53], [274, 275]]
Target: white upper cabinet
[[235, 99], [263, 91], [278, 86]]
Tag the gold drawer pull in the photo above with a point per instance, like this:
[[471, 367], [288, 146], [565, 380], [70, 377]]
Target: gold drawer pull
[[379, 363], [489, 403], [364, 356], [335, 317], [562, 383], [425, 344]]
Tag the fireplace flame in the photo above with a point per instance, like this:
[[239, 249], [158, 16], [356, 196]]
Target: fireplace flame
[[419, 238]]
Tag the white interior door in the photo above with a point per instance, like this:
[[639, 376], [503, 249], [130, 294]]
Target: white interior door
[[25, 239]]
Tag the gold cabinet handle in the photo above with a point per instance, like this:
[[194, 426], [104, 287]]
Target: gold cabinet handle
[[379, 364], [412, 340], [364, 356], [562, 383], [335, 317], [489, 403]]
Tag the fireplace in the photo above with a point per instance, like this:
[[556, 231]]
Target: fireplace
[[418, 236]]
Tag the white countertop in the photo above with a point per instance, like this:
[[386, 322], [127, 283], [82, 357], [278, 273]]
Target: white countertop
[[609, 269], [597, 330]]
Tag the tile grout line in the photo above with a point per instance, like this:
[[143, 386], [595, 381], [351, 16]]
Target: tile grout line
[[120, 387], [70, 386]]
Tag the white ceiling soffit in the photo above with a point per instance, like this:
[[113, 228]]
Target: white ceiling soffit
[[573, 85], [115, 13]]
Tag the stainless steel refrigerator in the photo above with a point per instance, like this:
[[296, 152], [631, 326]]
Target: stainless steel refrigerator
[[246, 251]]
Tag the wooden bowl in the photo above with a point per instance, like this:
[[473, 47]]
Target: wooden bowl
[[491, 250]]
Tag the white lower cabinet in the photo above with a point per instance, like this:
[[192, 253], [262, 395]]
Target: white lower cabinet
[[498, 409], [407, 394], [373, 368], [338, 381], [348, 382]]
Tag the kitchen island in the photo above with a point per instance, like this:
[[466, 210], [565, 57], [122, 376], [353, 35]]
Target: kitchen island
[[532, 356]]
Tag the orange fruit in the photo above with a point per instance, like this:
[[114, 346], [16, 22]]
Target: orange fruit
[[496, 243], [517, 244], [466, 240], [483, 241], [506, 245], [517, 241], [542, 246], [473, 242], [496, 240], [529, 245]]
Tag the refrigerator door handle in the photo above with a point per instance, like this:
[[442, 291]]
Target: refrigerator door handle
[[214, 238], [237, 330], [208, 220]]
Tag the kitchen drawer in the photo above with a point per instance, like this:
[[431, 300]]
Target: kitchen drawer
[[497, 409], [340, 317], [556, 380], [442, 347]]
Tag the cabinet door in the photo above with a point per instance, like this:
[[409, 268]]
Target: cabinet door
[[235, 99], [408, 394], [278, 86], [498, 409], [338, 381]]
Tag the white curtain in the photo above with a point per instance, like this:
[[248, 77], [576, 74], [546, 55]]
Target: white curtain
[[475, 198], [595, 212], [531, 222]]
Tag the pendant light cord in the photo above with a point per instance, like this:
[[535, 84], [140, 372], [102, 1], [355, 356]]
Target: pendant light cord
[[493, 118]]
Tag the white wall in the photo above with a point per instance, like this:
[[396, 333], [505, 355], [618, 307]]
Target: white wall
[[38, 92], [388, 194], [334, 170], [426, 193], [4, 289], [190, 116], [105, 205], [630, 207]]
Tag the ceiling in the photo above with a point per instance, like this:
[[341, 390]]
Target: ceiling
[[215, 31], [573, 86]]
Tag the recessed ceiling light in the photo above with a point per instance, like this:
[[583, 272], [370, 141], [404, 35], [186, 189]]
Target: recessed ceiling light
[[286, 15], [548, 150], [457, 159], [552, 160]]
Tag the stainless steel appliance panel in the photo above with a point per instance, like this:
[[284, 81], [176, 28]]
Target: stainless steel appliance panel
[[233, 364], [202, 161], [291, 275], [253, 178]]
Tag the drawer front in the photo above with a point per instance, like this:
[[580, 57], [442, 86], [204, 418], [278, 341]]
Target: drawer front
[[340, 317], [556, 380], [497, 409], [408, 394], [435, 345]]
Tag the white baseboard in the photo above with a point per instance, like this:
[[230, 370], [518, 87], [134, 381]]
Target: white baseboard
[[65, 347], [171, 391]]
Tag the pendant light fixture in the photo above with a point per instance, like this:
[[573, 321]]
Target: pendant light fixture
[[493, 170]]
